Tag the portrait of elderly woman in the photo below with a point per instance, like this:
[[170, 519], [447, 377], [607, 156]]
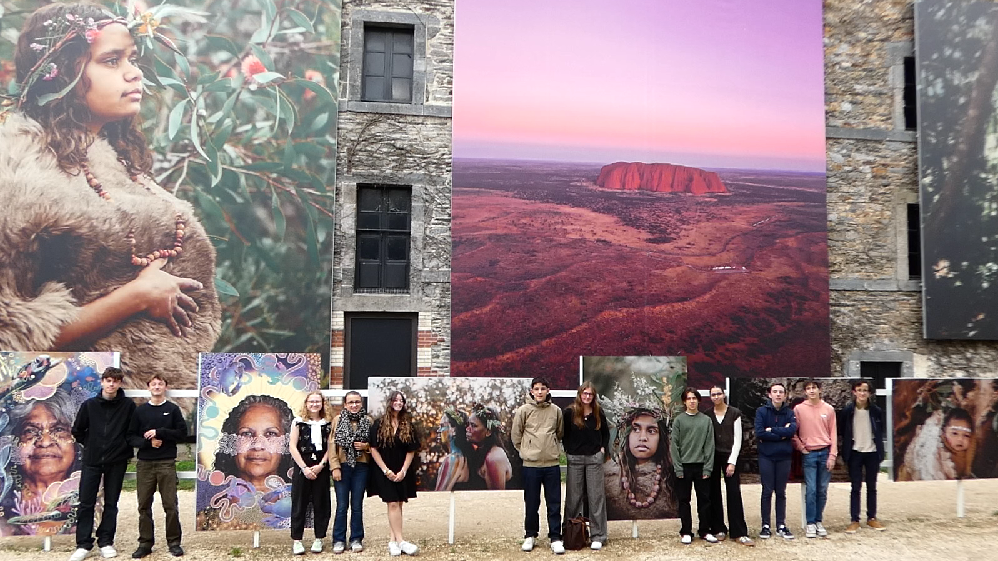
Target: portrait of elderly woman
[[44, 457], [254, 442]]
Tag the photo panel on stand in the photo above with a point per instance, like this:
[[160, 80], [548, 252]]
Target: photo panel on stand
[[245, 410], [640, 395], [944, 428], [464, 426], [40, 461]]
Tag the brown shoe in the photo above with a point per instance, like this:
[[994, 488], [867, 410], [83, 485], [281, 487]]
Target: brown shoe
[[853, 528], [874, 524]]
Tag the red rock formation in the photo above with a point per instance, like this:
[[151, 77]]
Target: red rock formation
[[661, 178]]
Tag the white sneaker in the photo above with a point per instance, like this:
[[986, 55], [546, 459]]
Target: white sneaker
[[408, 548], [339, 547], [596, 546], [528, 545], [317, 546], [297, 548], [356, 546], [687, 539], [558, 547], [394, 550], [79, 555], [108, 552], [822, 532], [811, 531], [710, 538]]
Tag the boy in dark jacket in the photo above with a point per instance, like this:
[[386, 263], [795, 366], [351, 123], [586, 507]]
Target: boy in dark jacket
[[156, 428], [775, 427], [101, 426], [861, 425]]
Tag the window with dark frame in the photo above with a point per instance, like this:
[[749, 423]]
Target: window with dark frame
[[910, 96], [379, 345], [387, 65], [383, 232], [914, 242]]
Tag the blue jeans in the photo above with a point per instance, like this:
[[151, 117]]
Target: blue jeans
[[774, 475], [533, 479], [350, 492], [816, 479]]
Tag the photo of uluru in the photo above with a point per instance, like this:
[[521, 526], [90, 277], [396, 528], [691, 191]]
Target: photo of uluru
[[662, 195]]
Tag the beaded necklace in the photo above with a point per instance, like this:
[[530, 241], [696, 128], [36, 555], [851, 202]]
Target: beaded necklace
[[178, 236], [625, 484]]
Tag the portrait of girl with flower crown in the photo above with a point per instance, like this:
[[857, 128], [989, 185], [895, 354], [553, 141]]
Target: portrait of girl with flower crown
[[163, 178]]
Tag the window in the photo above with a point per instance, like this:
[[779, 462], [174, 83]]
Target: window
[[383, 231], [910, 97], [914, 242], [379, 345], [387, 68], [879, 372]]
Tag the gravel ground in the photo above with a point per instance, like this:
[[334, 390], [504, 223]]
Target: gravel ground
[[921, 520]]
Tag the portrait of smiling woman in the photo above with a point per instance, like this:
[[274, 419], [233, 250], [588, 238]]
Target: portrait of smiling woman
[[255, 441]]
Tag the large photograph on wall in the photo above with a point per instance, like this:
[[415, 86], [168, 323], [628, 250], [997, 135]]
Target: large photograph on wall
[[246, 405], [749, 394], [641, 396], [945, 428], [40, 460], [956, 46], [172, 199], [464, 425], [639, 178]]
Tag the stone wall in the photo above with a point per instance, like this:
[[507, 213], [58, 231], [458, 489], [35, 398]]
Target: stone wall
[[403, 144], [876, 311]]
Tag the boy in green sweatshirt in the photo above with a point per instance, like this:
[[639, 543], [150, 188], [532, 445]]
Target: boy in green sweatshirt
[[692, 449]]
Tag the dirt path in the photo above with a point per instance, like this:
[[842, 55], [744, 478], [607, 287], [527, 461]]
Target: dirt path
[[921, 521]]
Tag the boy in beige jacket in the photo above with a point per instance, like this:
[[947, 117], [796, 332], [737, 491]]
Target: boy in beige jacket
[[537, 432]]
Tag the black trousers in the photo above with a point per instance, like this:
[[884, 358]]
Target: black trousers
[[90, 479], [305, 492], [733, 489], [858, 463], [693, 479]]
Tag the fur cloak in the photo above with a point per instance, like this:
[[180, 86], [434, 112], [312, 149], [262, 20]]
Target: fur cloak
[[62, 246]]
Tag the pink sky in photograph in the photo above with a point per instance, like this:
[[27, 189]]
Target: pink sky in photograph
[[709, 83]]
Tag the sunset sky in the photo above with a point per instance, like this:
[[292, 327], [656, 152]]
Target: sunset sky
[[708, 83]]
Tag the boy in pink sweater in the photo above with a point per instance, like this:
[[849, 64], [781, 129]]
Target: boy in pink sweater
[[816, 440]]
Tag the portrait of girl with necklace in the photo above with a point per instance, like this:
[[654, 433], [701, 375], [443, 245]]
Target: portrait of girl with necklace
[[640, 480], [94, 255]]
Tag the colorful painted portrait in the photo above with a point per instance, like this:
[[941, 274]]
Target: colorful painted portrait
[[40, 461], [246, 405], [640, 396], [464, 427], [945, 428]]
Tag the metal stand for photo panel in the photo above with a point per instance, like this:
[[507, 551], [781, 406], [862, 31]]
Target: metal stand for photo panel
[[450, 524], [960, 510]]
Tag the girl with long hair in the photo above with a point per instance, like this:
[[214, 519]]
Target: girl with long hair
[[489, 467], [350, 459], [394, 443], [94, 255], [453, 469], [586, 438], [310, 479]]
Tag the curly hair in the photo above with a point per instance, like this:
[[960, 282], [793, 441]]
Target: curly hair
[[226, 462], [65, 119], [63, 407], [406, 431], [324, 414], [627, 460]]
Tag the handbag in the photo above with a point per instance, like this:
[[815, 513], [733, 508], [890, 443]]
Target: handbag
[[576, 533]]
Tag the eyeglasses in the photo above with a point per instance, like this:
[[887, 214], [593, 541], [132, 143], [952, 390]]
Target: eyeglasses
[[34, 434], [717, 395], [590, 394]]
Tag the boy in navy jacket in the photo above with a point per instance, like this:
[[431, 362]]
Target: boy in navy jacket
[[775, 427]]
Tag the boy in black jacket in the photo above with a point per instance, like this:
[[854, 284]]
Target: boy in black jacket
[[100, 426], [157, 426], [861, 426]]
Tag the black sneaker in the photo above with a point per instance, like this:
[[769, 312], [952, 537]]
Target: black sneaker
[[176, 551], [141, 552], [785, 532], [765, 533]]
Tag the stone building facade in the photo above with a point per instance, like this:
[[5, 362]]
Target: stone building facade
[[402, 142], [876, 304]]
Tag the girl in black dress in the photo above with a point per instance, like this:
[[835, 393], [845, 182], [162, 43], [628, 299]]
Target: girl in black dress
[[393, 447]]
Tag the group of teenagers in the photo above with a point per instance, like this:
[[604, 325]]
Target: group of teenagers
[[357, 455], [704, 449]]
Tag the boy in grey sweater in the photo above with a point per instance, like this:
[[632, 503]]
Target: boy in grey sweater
[[692, 448]]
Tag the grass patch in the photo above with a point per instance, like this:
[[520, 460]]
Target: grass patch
[[236, 552], [182, 485]]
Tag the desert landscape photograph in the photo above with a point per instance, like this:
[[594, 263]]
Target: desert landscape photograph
[[674, 208]]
